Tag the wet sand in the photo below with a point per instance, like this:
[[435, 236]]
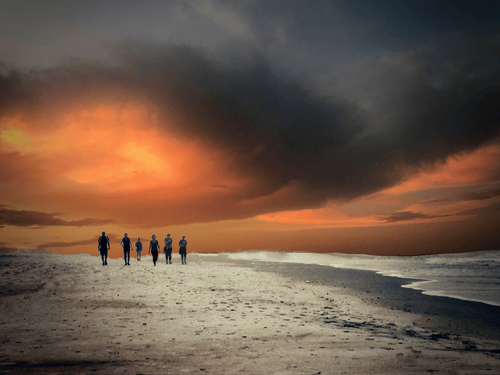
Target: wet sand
[[436, 313], [70, 314]]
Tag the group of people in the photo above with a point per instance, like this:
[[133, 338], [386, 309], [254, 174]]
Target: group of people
[[154, 248]]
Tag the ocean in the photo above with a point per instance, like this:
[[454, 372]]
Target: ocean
[[467, 276]]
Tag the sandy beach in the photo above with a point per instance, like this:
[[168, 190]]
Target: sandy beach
[[68, 314]]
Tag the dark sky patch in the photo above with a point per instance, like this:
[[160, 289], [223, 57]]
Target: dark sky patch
[[408, 216]]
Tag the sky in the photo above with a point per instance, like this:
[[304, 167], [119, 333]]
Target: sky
[[315, 126]]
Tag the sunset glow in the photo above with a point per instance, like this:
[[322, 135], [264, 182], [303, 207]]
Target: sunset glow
[[366, 146]]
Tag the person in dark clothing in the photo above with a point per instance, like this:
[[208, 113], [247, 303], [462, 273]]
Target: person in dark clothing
[[154, 248], [103, 248], [138, 248], [127, 244], [183, 250], [168, 249]]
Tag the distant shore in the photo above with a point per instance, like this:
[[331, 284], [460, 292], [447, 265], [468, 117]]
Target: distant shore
[[67, 314]]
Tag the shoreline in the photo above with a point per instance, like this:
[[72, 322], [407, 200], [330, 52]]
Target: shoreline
[[448, 281], [70, 314], [389, 291]]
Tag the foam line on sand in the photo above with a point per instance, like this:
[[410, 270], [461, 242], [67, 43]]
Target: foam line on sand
[[70, 314]]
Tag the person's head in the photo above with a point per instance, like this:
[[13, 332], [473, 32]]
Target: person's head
[[183, 237], [153, 237], [103, 233], [168, 235], [125, 235], [138, 238]]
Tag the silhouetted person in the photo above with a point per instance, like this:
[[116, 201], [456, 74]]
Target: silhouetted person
[[154, 248], [104, 247], [168, 249], [182, 250], [127, 244], [138, 248]]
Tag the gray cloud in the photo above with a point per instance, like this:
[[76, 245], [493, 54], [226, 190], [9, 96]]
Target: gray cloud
[[404, 112], [468, 196], [407, 111], [491, 211], [408, 216], [411, 215], [431, 201], [41, 219], [5, 247]]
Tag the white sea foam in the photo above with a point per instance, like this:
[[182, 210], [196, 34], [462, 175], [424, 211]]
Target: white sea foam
[[466, 276]]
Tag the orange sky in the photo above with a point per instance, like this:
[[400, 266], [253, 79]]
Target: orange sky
[[305, 126], [111, 167]]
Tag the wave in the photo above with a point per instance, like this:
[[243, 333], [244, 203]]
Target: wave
[[467, 276]]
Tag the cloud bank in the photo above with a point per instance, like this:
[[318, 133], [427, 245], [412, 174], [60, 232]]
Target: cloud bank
[[41, 219], [294, 143]]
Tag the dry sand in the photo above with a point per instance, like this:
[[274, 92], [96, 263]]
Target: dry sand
[[69, 314]]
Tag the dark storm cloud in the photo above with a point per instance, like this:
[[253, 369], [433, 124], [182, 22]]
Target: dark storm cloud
[[415, 20], [41, 219], [11, 91], [405, 112]]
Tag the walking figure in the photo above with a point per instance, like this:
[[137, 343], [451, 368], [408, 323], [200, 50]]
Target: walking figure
[[127, 244], [154, 248], [182, 250], [103, 248], [138, 248], [168, 249]]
